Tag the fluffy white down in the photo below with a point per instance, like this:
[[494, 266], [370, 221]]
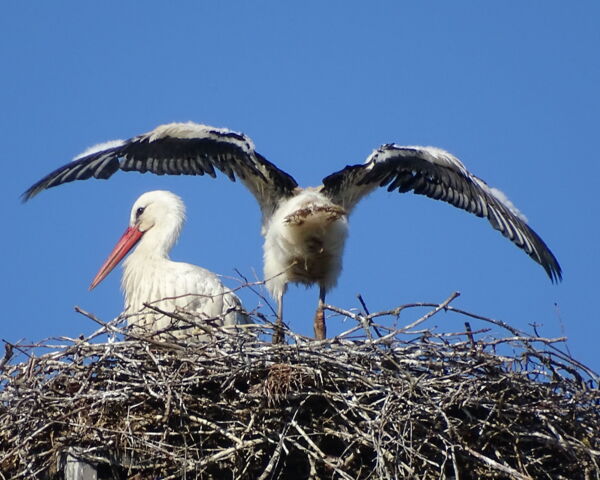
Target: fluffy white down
[[150, 277], [290, 248]]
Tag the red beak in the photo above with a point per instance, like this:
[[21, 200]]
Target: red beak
[[131, 236]]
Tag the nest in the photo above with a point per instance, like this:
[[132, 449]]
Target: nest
[[378, 401]]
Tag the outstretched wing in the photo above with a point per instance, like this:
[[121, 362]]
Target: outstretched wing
[[438, 174], [179, 149]]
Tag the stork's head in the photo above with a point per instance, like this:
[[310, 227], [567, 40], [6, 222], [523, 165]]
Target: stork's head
[[160, 210], [154, 225]]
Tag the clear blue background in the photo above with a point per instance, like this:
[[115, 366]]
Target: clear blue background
[[511, 88]]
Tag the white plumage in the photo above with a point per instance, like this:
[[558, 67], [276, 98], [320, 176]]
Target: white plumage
[[305, 229], [195, 294]]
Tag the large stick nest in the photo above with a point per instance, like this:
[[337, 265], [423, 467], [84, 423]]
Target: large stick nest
[[378, 401]]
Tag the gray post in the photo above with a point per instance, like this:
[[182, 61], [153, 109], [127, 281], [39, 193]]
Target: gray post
[[78, 469]]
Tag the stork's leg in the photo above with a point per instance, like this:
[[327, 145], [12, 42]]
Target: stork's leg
[[320, 330], [278, 333]]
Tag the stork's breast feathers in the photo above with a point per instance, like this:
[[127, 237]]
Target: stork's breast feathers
[[172, 285]]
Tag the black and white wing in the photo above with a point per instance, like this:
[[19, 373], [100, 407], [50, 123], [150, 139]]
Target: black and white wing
[[438, 174], [179, 149]]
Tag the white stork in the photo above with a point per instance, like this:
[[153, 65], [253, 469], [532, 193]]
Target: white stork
[[150, 277], [305, 228]]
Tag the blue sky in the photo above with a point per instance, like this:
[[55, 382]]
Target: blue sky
[[510, 88]]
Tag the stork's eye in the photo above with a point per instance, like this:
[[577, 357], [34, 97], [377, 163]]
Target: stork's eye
[[138, 212]]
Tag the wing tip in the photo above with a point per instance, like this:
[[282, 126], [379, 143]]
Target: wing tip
[[554, 271], [29, 193], [550, 264]]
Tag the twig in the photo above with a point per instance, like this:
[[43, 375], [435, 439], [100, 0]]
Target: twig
[[8, 353]]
